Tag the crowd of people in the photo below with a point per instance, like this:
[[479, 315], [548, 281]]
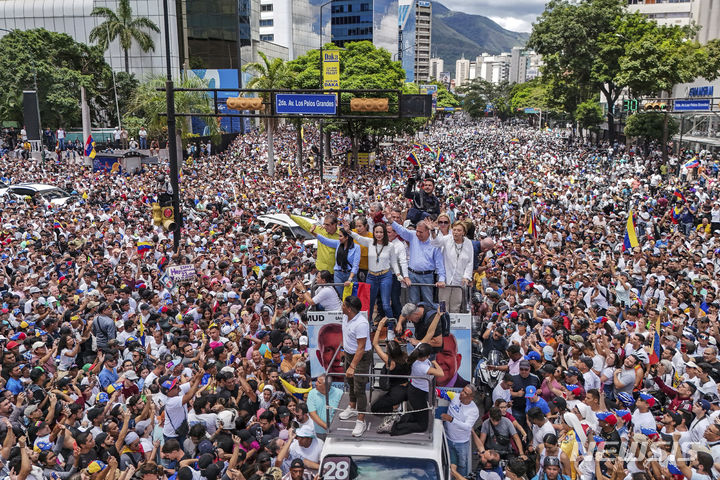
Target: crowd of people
[[591, 269]]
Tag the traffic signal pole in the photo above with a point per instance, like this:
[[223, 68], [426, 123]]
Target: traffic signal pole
[[172, 136]]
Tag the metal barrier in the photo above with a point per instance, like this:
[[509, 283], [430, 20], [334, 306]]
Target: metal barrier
[[431, 401], [464, 302]]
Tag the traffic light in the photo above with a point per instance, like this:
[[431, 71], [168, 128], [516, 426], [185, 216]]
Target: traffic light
[[630, 105], [369, 104], [243, 103], [656, 106], [168, 218], [157, 214]]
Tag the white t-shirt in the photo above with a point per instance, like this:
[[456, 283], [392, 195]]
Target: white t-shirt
[[643, 420], [420, 368], [540, 432], [311, 453], [464, 418], [499, 392], [175, 411], [208, 419], [328, 298], [353, 330], [591, 380]]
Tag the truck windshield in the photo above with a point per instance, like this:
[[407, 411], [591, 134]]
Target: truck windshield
[[386, 468]]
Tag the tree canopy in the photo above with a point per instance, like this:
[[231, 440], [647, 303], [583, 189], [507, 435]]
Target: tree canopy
[[60, 66]]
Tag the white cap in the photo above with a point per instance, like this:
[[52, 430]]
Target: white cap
[[303, 340]]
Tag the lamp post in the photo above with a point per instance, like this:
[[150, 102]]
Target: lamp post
[[321, 159], [172, 134]]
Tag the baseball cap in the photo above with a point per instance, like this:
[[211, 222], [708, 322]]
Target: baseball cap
[[533, 356], [626, 399], [170, 383], [524, 364], [573, 371], [102, 397], [131, 375], [608, 417], [548, 352], [303, 340], [37, 345], [297, 463], [305, 431], [11, 344], [30, 409], [530, 391], [95, 467], [704, 404], [626, 415], [131, 437], [113, 387], [649, 399]]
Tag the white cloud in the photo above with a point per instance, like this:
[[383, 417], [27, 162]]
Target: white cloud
[[514, 24]]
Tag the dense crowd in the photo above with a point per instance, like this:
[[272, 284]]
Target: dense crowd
[[608, 345]]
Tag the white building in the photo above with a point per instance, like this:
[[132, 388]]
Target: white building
[[437, 66], [462, 71], [704, 13], [289, 23]]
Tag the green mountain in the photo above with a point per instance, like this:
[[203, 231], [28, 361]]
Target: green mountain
[[457, 33]]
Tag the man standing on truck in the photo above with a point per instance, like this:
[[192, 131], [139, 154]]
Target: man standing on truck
[[462, 413]]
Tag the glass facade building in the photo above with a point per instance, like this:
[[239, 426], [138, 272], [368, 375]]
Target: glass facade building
[[357, 20]]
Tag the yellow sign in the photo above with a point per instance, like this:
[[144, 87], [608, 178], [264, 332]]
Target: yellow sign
[[331, 70]]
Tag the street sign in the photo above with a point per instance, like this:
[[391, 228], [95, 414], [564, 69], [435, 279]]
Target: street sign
[[531, 110], [305, 104], [690, 105]]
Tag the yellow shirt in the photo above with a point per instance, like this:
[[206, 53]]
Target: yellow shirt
[[363, 251], [325, 255]]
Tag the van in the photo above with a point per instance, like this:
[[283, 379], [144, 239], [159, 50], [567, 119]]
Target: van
[[376, 456]]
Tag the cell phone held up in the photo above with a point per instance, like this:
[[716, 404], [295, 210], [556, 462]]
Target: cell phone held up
[[390, 323], [442, 308]]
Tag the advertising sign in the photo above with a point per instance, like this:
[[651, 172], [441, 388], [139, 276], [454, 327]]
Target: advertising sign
[[331, 69], [324, 331], [305, 104], [690, 105], [430, 90], [331, 173]]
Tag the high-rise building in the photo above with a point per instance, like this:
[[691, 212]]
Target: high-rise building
[[462, 71], [437, 66], [704, 13], [289, 23], [372, 20], [423, 34], [519, 62], [406, 37]]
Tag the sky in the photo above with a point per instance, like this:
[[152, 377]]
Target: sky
[[515, 15]]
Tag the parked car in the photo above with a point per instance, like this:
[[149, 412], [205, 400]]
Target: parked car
[[40, 193], [289, 227]]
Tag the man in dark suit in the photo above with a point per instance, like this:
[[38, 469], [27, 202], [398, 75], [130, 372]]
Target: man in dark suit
[[449, 359]]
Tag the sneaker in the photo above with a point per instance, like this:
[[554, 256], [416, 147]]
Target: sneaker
[[359, 429], [349, 412], [386, 424]]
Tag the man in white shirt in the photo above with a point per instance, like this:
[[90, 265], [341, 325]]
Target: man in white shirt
[[325, 297], [177, 398], [458, 422], [541, 426], [591, 379], [642, 417], [502, 389], [357, 360]]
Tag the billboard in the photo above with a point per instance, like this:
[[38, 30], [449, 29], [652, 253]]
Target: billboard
[[221, 78], [331, 69], [430, 90]]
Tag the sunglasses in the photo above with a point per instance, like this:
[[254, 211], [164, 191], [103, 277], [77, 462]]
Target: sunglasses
[[443, 222]]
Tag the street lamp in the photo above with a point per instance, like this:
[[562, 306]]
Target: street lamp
[[172, 134], [321, 159]]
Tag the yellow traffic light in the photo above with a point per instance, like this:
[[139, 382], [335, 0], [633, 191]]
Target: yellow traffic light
[[243, 103], [655, 106], [156, 214], [369, 104], [168, 218]]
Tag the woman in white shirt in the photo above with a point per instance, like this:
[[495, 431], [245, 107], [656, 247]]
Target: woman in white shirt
[[382, 264], [458, 255]]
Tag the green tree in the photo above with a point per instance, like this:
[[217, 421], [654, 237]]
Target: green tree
[[649, 126], [148, 103], [124, 26], [269, 75], [589, 114], [580, 48], [60, 66], [532, 94], [481, 93], [444, 97]]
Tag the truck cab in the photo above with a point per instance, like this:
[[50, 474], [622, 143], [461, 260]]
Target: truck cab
[[374, 456]]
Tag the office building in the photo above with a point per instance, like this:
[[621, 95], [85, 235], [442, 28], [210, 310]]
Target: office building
[[519, 63], [290, 23], [704, 13], [72, 17], [358, 20], [423, 35], [437, 66], [462, 71]]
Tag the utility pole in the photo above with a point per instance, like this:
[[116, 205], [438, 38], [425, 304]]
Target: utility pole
[[172, 135]]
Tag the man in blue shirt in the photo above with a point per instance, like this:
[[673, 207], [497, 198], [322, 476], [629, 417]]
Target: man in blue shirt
[[550, 470], [424, 261], [532, 399], [14, 384], [108, 374], [316, 404]]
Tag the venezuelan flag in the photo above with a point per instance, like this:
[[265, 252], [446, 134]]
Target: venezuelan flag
[[296, 392], [412, 158], [445, 394], [675, 212], [426, 147], [57, 225], [360, 290], [532, 228], [416, 145], [630, 240], [90, 147], [692, 163], [679, 195], [656, 353], [142, 247]]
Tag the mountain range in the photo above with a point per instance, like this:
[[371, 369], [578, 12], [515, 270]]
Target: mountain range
[[456, 33]]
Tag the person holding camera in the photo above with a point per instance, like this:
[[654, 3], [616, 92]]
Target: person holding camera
[[424, 202]]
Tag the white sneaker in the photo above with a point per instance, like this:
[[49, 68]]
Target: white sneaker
[[349, 412], [359, 429]]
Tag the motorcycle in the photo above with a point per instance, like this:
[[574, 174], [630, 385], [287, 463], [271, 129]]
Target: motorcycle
[[486, 379]]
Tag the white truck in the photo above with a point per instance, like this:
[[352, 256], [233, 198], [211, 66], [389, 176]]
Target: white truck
[[374, 456]]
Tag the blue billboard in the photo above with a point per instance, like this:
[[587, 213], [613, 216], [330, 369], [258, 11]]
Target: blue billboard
[[225, 78], [305, 104]]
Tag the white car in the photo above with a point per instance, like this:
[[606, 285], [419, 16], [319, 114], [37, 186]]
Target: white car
[[291, 229], [3, 188], [40, 193]]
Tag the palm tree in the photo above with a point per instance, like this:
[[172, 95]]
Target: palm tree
[[149, 103], [269, 75], [123, 25]]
